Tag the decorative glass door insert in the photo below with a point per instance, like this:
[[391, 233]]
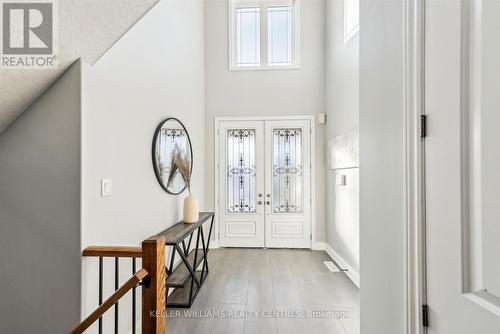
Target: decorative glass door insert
[[287, 170], [241, 171]]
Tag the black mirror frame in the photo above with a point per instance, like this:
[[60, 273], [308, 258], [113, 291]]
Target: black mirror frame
[[153, 154]]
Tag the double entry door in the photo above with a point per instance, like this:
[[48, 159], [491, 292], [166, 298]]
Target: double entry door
[[264, 183]]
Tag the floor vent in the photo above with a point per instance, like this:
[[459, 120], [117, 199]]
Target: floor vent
[[333, 267]]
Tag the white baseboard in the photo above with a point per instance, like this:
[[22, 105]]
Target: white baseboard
[[351, 273]]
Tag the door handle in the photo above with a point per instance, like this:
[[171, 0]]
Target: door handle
[[268, 202], [259, 202]]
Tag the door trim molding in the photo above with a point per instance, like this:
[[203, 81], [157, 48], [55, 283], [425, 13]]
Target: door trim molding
[[415, 238], [219, 119]]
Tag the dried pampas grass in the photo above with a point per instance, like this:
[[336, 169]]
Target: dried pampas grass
[[182, 164]]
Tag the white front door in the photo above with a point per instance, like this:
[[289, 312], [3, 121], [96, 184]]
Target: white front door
[[462, 103], [264, 183], [288, 190], [241, 184]]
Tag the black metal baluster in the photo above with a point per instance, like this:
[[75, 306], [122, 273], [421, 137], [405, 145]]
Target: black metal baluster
[[116, 288], [100, 291], [133, 298]]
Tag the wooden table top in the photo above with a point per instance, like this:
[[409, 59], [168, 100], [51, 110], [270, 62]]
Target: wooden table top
[[180, 231]]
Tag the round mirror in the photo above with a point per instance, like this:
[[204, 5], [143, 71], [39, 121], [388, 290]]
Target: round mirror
[[170, 140]]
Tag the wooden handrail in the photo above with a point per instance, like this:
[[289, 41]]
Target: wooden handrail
[[113, 251], [94, 316]]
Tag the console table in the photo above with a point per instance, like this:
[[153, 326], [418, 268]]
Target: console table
[[185, 278]]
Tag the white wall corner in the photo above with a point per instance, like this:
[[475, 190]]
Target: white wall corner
[[318, 245], [351, 273]]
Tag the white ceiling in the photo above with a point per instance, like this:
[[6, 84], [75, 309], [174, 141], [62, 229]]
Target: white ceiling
[[87, 29]]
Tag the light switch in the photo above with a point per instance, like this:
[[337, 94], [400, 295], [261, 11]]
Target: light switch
[[340, 179], [106, 187], [321, 118]]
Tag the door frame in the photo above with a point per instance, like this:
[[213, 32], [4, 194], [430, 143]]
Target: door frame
[[415, 227], [219, 119]]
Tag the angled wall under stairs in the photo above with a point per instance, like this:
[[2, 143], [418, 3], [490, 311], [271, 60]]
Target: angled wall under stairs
[[40, 189]]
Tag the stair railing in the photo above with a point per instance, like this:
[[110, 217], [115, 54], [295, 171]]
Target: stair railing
[[151, 277]]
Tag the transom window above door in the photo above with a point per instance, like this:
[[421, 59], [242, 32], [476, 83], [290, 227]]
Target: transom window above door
[[264, 34]]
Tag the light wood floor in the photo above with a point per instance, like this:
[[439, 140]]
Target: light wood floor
[[288, 282]]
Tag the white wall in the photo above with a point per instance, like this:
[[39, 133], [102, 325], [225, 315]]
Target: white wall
[[155, 71], [40, 213], [274, 93], [342, 108], [382, 191]]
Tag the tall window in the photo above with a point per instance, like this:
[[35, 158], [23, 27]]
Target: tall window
[[263, 34], [248, 36], [279, 37]]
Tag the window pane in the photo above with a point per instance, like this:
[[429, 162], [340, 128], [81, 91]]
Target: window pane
[[287, 170], [280, 32], [241, 171], [248, 36]]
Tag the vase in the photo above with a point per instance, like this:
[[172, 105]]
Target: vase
[[191, 211]]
